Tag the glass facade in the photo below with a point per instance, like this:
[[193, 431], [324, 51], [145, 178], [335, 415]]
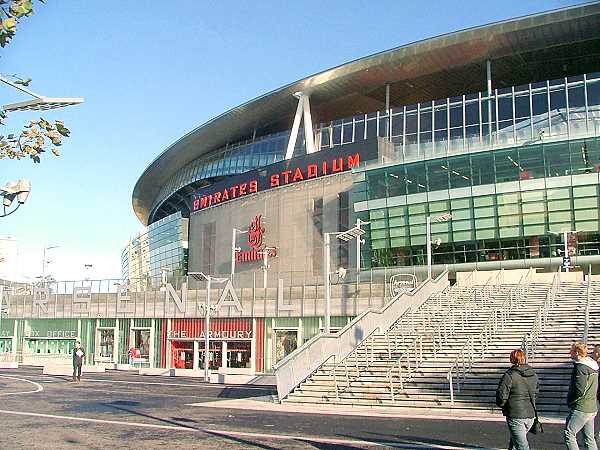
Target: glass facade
[[161, 245], [518, 115]]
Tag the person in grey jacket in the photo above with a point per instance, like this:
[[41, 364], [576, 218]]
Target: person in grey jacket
[[581, 398], [516, 395]]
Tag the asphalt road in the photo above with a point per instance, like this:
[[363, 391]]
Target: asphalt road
[[125, 411]]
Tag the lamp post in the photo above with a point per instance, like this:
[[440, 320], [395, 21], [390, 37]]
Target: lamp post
[[44, 261], [565, 235], [18, 190], [234, 248], [40, 103], [265, 252], [345, 236], [442, 218], [359, 242], [199, 276]]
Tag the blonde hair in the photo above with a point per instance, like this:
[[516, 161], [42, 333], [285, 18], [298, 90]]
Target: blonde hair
[[580, 349]]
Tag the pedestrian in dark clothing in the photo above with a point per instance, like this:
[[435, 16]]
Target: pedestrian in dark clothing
[[516, 395], [582, 398], [78, 355]]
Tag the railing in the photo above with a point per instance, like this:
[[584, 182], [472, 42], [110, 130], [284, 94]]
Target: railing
[[364, 344], [406, 364], [479, 344], [304, 361], [586, 328], [529, 341]]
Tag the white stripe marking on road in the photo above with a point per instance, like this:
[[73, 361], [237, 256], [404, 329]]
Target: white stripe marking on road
[[38, 386], [199, 384], [225, 433]]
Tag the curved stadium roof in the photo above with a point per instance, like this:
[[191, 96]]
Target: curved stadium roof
[[522, 50]]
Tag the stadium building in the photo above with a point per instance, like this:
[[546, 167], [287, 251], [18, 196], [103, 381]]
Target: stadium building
[[491, 135]]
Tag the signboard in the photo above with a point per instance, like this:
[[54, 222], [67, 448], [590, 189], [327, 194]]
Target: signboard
[[566, 263], [283, 173], [256, 232]]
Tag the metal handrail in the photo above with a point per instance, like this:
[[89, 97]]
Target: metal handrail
[[529, 341], [496, 320], [586, 328], [414, 350], [355, 353]]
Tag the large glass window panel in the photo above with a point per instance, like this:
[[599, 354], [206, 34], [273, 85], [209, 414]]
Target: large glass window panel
[[593, 95], [411, 123], [472, 113], [337, 134], [586, 214], [505, 108], [484, 211], [441, 117], [540, 112], [531, 160], [359, 130], [376, 185], [425, 124], [456, 116], [559, 205], [416, 180], [371, 128], [458, 214], [397, 125], [531, 207], [507, 165], [396, 181], [557, 160], [459, 169], [585, 202], [437, 173], [522, 109], [347, 132], [482, 165]]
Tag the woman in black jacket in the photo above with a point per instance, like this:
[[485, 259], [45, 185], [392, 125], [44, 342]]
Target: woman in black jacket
[[516, 395]]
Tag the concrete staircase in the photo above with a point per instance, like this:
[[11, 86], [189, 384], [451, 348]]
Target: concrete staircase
[[441, 327]]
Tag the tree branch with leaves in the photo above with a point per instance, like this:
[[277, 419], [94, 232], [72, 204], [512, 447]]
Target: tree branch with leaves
[[39, 135]]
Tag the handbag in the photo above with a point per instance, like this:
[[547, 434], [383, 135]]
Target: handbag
[[537, 427]]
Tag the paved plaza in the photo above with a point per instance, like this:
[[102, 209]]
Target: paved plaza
[[121, 410]]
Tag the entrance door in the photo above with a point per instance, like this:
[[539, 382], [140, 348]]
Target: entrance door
[[286, 341], [215, 355], [106, 344]]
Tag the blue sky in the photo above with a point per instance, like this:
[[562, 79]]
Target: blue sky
[[152, 73]]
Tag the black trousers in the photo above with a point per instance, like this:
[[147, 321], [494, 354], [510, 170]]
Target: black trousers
[[77, 372]]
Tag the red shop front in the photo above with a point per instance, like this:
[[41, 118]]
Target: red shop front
[[235, 345]]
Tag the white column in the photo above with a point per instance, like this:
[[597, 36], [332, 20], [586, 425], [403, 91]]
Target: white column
[[168, 356], [224, 356], [253, 347], [566, 238], [295, 127], [15, 340], [196, 358], [309, 136], [116, 343], [327, 292], [152, 349], [207, 333]]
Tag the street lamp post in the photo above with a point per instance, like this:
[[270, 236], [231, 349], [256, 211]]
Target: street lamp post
[[265, 254], [442, 218], [565, 235], [359, 242], [44, 261], [199, 276], [353, 233], [234, 248], [18, 190], [40, 103]]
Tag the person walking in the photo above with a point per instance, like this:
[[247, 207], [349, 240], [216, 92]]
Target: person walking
[[581, 398], [516, 395], [78, 355]]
